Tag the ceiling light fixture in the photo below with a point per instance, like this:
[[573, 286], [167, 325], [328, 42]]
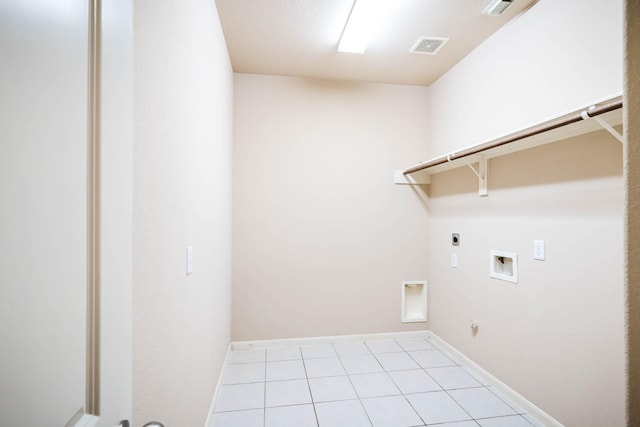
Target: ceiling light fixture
[[363, 20], [497, 7]]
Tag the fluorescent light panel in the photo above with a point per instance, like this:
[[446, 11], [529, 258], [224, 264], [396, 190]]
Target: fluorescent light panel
[[363, 20]]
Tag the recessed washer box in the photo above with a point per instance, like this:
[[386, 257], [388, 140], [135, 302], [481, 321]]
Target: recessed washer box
[[504, 266], [414, 301]]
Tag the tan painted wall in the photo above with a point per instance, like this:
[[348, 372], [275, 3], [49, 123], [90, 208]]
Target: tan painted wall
[[632, 169], [557, 336], [322, 238], [547, 62], [182, 197]]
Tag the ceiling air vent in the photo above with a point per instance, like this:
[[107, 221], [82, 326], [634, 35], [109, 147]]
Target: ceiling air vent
[[498, 7], [428, 45]]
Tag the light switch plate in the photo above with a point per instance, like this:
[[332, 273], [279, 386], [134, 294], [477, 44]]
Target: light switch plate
[[538, 250], [454, 260], [189, 260]]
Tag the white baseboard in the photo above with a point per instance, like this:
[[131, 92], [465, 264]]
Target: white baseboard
[[247, 345], [489, 379], [82, 419], [485, 377]]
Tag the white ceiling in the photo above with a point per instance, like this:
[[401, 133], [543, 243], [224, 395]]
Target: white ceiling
[[300, 38]]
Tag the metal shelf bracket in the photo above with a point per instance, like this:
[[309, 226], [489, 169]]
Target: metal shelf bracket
[[482, 174], [585, 115]]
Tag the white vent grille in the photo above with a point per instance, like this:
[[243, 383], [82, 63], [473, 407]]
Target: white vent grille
[[428, 45], [498, 7]]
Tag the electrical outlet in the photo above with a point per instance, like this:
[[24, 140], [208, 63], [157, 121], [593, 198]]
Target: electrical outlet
[[538, 250]]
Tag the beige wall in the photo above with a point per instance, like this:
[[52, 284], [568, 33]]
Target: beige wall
[[632, 169], [182, 197], [556, 337], [322, 238], [550, 60]]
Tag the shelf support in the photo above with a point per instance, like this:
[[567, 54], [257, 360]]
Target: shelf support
[[603, 123], [483, 165], [568, 119]]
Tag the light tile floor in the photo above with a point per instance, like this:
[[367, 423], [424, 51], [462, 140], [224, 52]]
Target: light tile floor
[[396, 383]]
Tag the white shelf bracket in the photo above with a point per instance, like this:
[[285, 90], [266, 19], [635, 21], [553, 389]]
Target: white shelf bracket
[[585, 115], [483, 164]]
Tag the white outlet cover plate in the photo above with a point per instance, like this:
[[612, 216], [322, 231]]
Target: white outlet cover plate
[[538, 250]]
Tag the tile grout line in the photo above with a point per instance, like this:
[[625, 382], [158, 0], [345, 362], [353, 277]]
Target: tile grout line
[[306, 374], [451, 397], [264, 410], [503, 416], [457, 403], [482, 385], [403, 394], [351, 382], [443, 389], [517, 411]]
